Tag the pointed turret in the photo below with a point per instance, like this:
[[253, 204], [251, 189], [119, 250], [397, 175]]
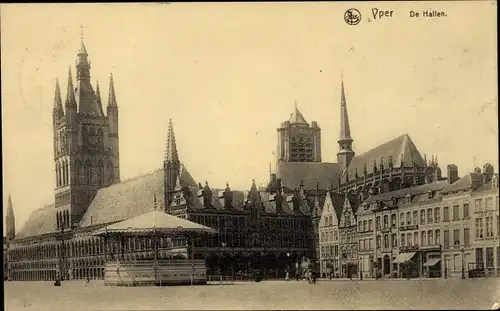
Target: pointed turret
[[98, 96], [10, 222], [171, 163], [345, 131], [171, 154], [346, 154], [296, 117], [112, 95], [58, 107], [112, 115], [70, 95], [83, 50]]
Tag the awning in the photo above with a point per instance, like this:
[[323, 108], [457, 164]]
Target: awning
[[404, 257], [431, 262]]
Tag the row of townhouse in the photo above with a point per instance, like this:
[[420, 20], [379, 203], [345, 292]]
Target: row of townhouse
[[445, 228]]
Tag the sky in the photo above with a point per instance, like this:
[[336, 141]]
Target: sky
[[228, 74]]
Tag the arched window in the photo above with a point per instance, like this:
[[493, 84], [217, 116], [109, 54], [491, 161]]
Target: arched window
[[88, 172], [100, 173], [437, 237], [111, 173], [66, 214], [58, 174], [64, 172], [409, 240], [430, 240], [67, 172]]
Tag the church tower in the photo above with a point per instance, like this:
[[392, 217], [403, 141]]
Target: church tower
[[10, 222], [171, 164], [86, 149], [298, 141], [346, 154]]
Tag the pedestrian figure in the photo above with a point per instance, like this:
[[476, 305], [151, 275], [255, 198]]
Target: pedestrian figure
[[287, 275], [313, 276], [58, 280]]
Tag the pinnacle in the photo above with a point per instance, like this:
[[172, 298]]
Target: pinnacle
[[112, 95], [171, 154]]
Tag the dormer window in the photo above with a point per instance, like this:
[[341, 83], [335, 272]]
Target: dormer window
[[408, 199], [494, 181], [429, 194]]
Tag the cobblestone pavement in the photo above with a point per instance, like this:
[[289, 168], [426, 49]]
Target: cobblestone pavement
[[340, 294]]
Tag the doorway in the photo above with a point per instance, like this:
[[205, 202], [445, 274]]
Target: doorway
[[387, 264]]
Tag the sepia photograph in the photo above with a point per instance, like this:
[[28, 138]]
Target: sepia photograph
[[250, 156]]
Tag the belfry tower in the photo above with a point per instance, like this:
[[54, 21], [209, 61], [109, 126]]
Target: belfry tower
[[86, 148]]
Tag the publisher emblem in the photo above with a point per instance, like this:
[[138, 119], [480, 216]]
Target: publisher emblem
[[352, 17]]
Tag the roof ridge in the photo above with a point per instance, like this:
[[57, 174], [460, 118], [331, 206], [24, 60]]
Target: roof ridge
[[139, 176], [384, 143]]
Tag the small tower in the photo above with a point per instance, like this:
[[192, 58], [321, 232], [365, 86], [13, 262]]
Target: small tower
[[171, 163], [10, 222], [346, 154], [298, 141]]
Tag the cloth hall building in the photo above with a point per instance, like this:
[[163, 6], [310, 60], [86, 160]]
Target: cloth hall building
[[260, 231]]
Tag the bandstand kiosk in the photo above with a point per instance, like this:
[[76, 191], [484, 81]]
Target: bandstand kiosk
[[120, 271]]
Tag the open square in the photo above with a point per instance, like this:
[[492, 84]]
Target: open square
[[368, 294]]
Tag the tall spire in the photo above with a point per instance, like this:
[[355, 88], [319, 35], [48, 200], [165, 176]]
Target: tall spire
[[10, 222], [70, 97], [112, 95], [171, 155], [346, 154], [57, 98], [98, 95], [345, 131]]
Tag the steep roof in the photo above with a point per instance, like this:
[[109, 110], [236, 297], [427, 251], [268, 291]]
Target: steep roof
[[489, 185], [329, 209], [154, 221], [310, 173], [471, 181], [400, 148], [41, 221], [401, 193], [296, 117], [125, 200], [217, 202]]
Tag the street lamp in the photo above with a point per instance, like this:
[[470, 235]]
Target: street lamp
[[463, 264], [360, 269]]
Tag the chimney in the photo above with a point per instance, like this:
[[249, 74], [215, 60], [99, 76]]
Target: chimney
[[452, 173], [476, 180], [488, 172]]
